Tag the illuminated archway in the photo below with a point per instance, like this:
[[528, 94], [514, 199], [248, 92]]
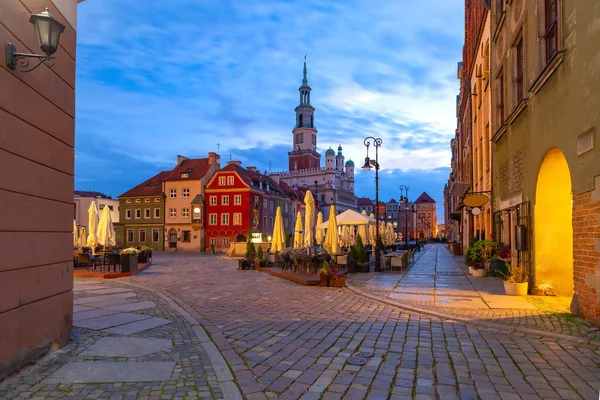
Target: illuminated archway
[[553, 236]]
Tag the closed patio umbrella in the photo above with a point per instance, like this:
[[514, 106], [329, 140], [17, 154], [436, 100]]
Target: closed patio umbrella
[[75, 234], [298, 231], [81, 236], [346, 235], [106, 230], [363, 231], [278, 233], [319, 232], [92, 239], [373, 231], [332, 244], [309, 219]]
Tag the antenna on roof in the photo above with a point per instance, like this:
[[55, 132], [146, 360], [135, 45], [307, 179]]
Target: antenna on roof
[[218, 148], [269, 166], [229, 155]]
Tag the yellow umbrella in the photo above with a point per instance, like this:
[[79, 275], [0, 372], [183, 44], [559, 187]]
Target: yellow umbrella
[[92, 240], [331, 239], [373, 231], [363, 231], [298, 231], [75, 234], [278, 233], [320, 233], [346, 235], [309, 218]]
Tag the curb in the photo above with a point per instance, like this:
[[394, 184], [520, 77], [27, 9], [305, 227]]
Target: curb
[[489, 325], [224, 374]]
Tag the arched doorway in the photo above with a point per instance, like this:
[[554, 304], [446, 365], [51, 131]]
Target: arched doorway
[[553, 236], [172, 238]]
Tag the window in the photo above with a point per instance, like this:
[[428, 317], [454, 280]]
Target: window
[[157, 200], [187, 236], [551, 28], [237, 199], [128, 214], [184, 175], [237, 218], [264, 222], [255, 199], [271, 221], [299, 138], [185, 193], [226, 242], [212, 219], [138, 213], [155, 235], [197, 213], [146, 200], [147, 213], [225, 200], [500, 90], [138, 200], [172, 212], [130, 235], [230, 180], [314, 138], [128, 201], [213, 242], [519, 70], [157, 213], [173, 193], [185, 212], [225, 219], [142, 235], [221, 180], [213, 200], [265, 203]]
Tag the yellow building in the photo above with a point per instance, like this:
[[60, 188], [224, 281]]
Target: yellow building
[[425, 217], [481, 98], [545, 73], [184, 202]]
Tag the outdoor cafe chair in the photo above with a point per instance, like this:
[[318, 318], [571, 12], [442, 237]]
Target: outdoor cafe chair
[[83, 259], [397, 261]]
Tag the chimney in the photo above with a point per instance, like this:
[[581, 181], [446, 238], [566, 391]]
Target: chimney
[[236, 162], [180, 159], [275, 178], [252, 168], [214, 158]]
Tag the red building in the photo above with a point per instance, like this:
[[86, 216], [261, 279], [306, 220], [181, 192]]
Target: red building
[[239, 199]]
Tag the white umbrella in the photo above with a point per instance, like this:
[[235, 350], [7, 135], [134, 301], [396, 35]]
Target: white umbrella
[[106, 230], [346, 235], [390, 232], [350, 217], [309, 219], [373, 231], [298, 231], [363, 231], [331, 239], [81, 236], [278, 232], [92, 240], [319, 233], [75, 234]]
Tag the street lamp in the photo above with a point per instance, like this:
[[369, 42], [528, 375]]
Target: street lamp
[[367, 167], [404, 188]]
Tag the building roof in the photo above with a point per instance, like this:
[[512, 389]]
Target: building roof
[[424, 198], [195, 168], [392, 201], [150, 187], [85, 193], [364, 201], [330, 152], [349, 163]]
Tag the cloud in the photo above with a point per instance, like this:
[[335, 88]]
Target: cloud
[[161, 78]]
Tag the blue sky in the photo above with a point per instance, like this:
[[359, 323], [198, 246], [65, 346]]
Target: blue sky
[[160, 78]]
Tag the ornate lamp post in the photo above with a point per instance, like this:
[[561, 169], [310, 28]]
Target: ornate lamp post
[[367, 167], [404, 188]]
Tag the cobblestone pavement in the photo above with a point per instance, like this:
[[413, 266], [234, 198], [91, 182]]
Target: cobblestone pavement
[[284, 340], [541, 313], [98, 304]]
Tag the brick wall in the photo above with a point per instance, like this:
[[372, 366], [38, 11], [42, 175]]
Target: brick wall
[[586, 253]]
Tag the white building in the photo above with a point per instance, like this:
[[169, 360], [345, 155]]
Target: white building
[[81, 205], [332, 184]]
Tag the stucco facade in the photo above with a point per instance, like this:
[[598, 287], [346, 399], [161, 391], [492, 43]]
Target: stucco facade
[[82, 201], [546, 161], [37, 115]]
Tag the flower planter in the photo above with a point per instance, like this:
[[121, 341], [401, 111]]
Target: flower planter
[[322, 280], [339, 282], [143, 257], [470, 270], [515, 289], [479, 273], [129, 262]]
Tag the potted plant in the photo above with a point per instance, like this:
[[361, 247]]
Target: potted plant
[[336, 278], [260, 258], [358, 255], [323, 274], [129, 259], [479, 256], [145, 254], [498, 264], [516, 280], [248, 261]]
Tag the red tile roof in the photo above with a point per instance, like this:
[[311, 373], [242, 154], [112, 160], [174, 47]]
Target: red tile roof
[[425, 198], [196, 168], [364, 201], [151, 187]]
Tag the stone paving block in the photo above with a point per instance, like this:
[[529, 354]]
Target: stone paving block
[[109, 320], [92, 313], [139, 305], [138, 326], [127, 347], [87, 372]]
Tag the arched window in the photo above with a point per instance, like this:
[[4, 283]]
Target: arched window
[[312, 121], [300, 122]]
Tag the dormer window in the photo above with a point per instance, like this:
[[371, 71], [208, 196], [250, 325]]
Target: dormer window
[[184, 175]]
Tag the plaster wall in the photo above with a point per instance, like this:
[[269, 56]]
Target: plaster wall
[[37, 111]]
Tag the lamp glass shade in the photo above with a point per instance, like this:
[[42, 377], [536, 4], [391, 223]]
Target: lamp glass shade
[[367, 166], [48, 31]]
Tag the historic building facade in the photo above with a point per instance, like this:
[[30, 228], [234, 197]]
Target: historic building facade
[[546, 91], [83, 199], [425, 217], [332, 184], [406, 219], [391, 211]]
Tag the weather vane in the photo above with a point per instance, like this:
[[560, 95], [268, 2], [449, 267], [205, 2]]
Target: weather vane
[[218, 148]]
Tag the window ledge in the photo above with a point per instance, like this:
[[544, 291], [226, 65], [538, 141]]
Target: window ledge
[[499, 133], [509, 120], [547, 72], [499, 26]]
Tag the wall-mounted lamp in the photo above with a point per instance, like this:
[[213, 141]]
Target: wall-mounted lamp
[[48, 32]]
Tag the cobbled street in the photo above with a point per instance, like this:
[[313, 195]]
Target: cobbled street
[[284, 340]]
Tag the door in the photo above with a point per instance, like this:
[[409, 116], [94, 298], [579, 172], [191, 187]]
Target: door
[[172, 239]]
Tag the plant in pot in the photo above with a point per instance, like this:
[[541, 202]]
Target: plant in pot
[[498, 264], [516, 280], [479, 255], [145, 254], [260, 258], [129, 259], [248, 261], [323, 274], [336, 278]]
